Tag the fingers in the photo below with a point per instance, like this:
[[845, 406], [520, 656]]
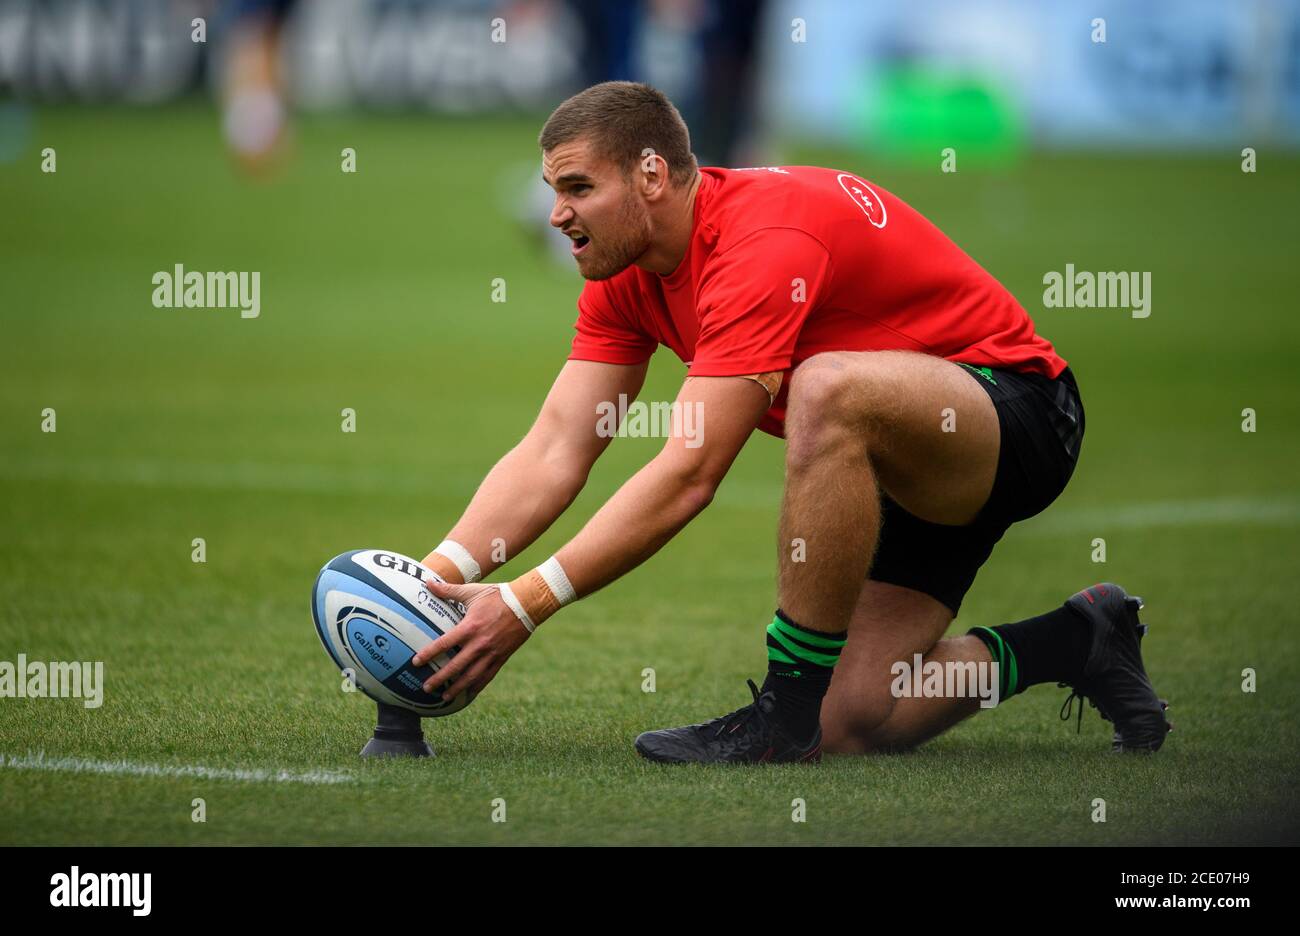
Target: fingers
[[462, 593], [450, 671], [480, 646], [431, 650], [470, 679], [465, 670], [466, 595]]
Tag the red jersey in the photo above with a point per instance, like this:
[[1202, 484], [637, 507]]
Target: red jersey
[[786, 262]]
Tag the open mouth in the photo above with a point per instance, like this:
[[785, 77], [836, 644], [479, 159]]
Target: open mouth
[[580, 243]]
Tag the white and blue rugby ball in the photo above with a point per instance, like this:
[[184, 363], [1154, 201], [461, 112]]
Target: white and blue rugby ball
[[373, 613]]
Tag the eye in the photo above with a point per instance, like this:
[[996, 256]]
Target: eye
[[579, 188]]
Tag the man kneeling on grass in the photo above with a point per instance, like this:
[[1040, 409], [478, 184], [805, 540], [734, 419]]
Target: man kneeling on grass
[[922, 416]]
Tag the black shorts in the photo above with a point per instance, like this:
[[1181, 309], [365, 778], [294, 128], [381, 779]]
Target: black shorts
[[1041, 421]]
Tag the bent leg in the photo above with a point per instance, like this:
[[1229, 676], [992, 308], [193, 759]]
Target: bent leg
[[890, 624], [915, 721], [914, 425]]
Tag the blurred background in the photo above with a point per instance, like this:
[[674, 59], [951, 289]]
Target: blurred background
[[994, 76], [375, 162]]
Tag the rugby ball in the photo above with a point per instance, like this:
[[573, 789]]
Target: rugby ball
[[373, 613]]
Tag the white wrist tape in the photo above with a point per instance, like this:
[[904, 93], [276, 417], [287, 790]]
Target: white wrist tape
[[458, 554], [508, 596], [557, 581]]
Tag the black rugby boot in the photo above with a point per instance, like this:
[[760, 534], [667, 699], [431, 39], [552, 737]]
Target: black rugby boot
[[750, 735], [1114, 680]]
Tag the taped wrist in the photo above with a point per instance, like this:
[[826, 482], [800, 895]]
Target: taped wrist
[[443, 567], [453, 562], [539, 593]]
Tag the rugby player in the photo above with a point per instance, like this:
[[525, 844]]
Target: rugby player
[[922, 416]]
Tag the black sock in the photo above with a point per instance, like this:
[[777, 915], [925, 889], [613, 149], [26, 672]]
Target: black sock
[[1050, 648], [800, 663]]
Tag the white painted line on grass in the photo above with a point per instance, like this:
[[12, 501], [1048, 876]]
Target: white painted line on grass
[[1281, 509], [39, 761], [227, 476]]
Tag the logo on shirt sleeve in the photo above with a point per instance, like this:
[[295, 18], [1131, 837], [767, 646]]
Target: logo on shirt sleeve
[[863, 197]]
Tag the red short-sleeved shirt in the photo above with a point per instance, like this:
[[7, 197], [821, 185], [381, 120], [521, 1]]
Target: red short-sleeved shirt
[[788, 262]]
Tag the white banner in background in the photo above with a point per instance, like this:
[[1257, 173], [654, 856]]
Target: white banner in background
[[1170, 72]]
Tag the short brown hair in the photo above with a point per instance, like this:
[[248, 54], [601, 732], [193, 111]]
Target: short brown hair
[[622, 119]]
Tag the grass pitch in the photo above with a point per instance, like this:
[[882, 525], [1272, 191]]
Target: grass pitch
[[174, 424]]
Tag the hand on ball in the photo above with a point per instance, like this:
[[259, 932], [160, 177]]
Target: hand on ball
[[486, 637]]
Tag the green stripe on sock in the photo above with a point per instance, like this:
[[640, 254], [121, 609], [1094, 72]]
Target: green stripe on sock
[[808, 637], [803, 654], [1003, 656], [774, 654]]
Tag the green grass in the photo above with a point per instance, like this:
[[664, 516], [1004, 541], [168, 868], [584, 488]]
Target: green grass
[[175, 424]]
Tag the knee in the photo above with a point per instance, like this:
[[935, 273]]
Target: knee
[[862, 740], [824, 407], [841, 739], [822, 382], [855, 728]]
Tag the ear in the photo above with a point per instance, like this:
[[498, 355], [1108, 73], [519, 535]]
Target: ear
[[652, 174]]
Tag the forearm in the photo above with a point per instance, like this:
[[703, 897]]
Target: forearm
[[651, 508], [645, 513], [518, 500]]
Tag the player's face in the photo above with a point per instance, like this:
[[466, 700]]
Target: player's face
[[597, 207]]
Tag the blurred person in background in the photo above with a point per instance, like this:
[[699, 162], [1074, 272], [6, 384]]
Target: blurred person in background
[[254, 113], [719, 97], [723, 111], [723, 40]]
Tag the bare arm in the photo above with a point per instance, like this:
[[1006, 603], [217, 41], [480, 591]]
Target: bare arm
[[666, 494], [643, 514], [536, 481]]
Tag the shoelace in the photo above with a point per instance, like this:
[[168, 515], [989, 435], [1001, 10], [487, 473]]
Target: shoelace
[[1067, 708], [741, 715]]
